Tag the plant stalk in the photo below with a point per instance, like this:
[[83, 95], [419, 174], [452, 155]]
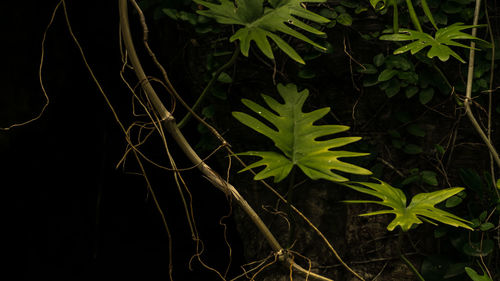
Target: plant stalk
[[413, 15], [468, 91]]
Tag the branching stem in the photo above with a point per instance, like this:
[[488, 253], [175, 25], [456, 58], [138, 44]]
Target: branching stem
[[468, 91]]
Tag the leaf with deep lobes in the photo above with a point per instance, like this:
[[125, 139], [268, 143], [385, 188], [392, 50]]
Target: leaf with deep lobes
[[422, 206], [259, 24], [295, 134]]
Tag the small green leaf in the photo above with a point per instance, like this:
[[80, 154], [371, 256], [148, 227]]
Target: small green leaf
[[415, 130], [171, 13], [472, 180], [359, 10], [208, 111], [306, 73], [328, 13], [397, 143], [369, 69], [326, 48], [202, 19], [439, 149], [478, 249], [410, 179], [475, 276], [399, 62], [387, 74], [483, 215], [393, 88], [378, 60], [378, 4], [486, 226], [411, 91], [498, 183], [219, 93], [370, 81], [224, 78], [429, 177], [331, 24], [453, 201], [394, 133], [203, 29], [340, 9], [189, 17], [349, 4], [441, 18], [412, 149], [408, 76], [426, 95], [344, 19]]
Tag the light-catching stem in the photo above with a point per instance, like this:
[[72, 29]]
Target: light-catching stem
[[468, 91]]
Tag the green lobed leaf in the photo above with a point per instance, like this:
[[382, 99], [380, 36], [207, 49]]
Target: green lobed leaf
[[426, 95], [422, 206], [295, 134], [438, 44], [259, 23]]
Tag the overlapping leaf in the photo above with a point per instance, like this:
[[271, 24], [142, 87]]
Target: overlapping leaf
[[439, 43], [260, 22], [295, 135], [421, 207]]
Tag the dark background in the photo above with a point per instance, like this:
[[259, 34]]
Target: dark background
[[70, 215]]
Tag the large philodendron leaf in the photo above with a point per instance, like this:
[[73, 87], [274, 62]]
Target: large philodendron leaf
[[295, 135], [439, 43], [422, 205], [260, 22]]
